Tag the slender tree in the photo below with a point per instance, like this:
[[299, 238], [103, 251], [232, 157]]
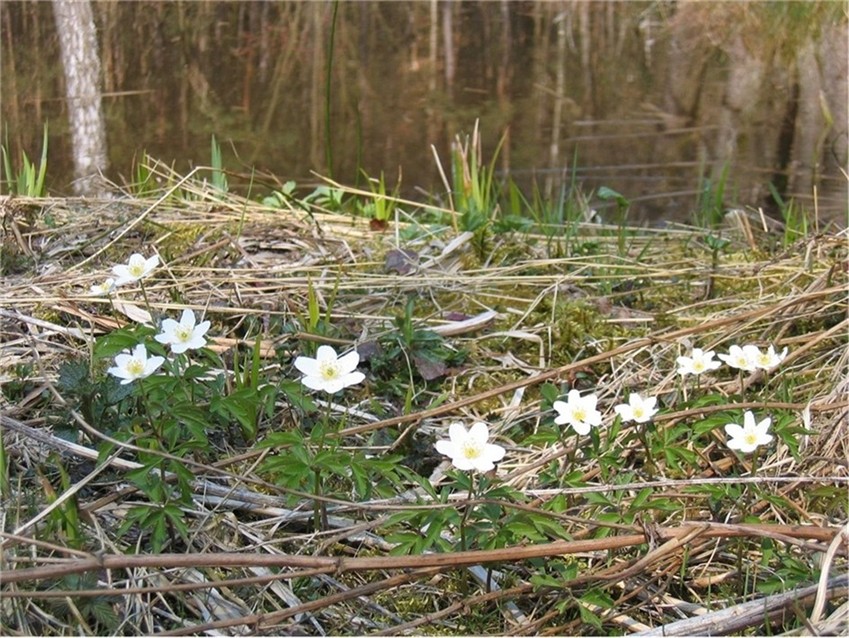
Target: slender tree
[[81, 61]]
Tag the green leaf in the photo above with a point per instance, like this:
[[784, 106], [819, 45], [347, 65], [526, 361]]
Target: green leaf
[[282, 439], [589, 617], [437, 522], [114, 392], [550, 528], [119, 340], [100, 608], [241, 405], [294, 393], [641, 497], [74, 376], [406, 543], [137, 515], [597, 498], [543, 436], [549, 392], [159, 531], [175, 516], [193, 419], [598, 597], [544, 580], [606, 194], [362, 484]]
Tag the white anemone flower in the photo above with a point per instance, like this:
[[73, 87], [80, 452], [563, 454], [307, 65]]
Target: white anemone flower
[[740, 358], [766, 360], [698, 362], [135, 365], [470, 450], [136, 268], [579, 412], [750, 436], [329, 372], [637, 409], [105, 288], [184, 335]]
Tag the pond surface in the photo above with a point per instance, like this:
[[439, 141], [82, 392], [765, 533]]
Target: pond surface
[[655, 100]]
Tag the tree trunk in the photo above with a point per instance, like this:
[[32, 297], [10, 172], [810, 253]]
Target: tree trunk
[[78, 43]]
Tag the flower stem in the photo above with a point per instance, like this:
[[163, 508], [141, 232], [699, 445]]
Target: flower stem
[[752, 496], [142, 409], [319, 507], [642, 433], [146, 300], [466, 511], [319, 513]]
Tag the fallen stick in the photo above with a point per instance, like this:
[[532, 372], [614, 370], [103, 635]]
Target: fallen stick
[[748, 614], [341, 564]]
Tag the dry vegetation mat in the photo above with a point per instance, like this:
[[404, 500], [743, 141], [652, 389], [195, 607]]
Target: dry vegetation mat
[[216, 491]]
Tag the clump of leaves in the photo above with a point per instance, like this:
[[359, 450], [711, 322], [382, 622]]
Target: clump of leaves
[[427, 355]]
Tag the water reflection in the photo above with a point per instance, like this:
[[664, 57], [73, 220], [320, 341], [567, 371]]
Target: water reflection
[[650, 99]]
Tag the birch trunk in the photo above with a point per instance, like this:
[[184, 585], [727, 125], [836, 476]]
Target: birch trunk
[[80, 59]]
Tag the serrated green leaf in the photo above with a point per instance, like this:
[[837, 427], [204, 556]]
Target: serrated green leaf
[[73, 377], [282, 439], [598, 597], [589, 617], [294, 392], [544, 580]]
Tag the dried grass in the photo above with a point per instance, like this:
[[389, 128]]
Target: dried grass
[[254, 566]]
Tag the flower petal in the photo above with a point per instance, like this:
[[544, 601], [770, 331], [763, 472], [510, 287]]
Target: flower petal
[[352, 378], [314, 383], [737, 444], [307, 366], [734, 431], [581, 427], [457, 433], [187, 319], [479, 432], [202, 328], [463, 464], [152, 365], [494, 452], [445, 447], [349, 362], [325, 353], [625, 412]]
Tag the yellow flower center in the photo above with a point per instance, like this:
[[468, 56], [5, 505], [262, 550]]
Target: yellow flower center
[[328, 370], [136, 269], [135, 367], [750, 438], [183, 333], [699, 366], [639, 412], [470, 450]]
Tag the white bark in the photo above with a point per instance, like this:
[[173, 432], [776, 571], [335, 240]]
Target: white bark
[[81, 61]]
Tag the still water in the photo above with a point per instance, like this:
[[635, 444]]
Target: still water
[[653, 99]]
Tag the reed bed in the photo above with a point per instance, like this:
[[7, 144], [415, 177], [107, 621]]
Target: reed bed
[[695, 541]]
